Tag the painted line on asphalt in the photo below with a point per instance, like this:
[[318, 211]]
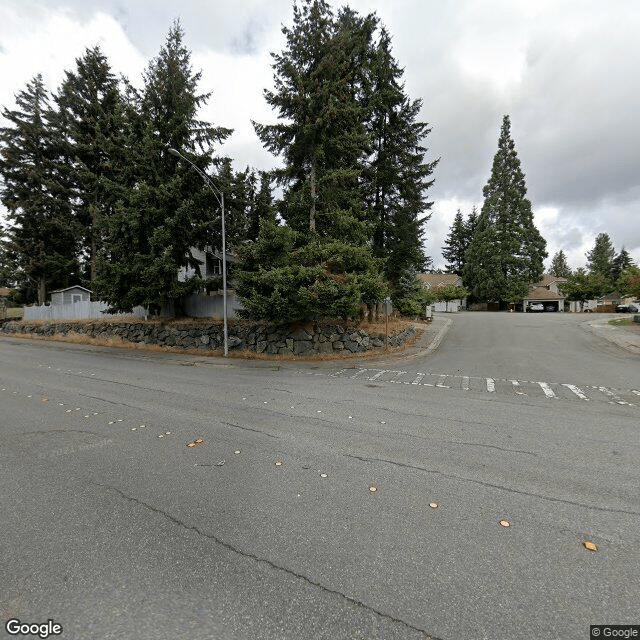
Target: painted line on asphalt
[[614, 398], [548, 391], [465, 383], [577, 391]]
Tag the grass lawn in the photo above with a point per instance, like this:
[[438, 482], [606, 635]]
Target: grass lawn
[[622, 322], [12, 312]]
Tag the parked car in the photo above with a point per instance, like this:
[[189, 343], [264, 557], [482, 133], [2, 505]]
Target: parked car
[[535, 307], [550, 307], [626, 308]]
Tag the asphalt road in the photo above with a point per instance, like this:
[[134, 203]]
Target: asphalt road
[[117, 530]]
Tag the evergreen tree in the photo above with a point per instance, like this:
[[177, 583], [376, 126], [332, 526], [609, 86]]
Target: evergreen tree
[[456, 245], [620, 264], [262, 207], [507, 251], [559, 266], [90, 129], [320, 80], [600, 258], [470, 225], [285, 278], [321, 133], [166, 207], [397, 176], [8, 267], [42, 235]]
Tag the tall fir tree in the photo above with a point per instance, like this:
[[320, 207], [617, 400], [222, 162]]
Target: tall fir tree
[[559, 266], [621, 263], [319, 91], [507, 250], [397, 176], [90, 127], [600, 258], [42, 234], [456, 245], [321, 134], [166, 208]]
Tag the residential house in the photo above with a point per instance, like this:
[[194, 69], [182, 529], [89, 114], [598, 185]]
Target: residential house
[[438, 280], [547, 293], [210, 264]]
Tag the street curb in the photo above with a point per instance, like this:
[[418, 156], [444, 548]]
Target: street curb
[[435, 343], [611, 334]]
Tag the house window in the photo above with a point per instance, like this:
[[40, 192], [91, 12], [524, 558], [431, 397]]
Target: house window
[[76, 297]]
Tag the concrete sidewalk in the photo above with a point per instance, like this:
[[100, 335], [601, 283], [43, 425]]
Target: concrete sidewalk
[[626, 337]]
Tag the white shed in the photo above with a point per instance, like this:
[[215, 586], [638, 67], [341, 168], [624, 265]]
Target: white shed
[[70, 295]]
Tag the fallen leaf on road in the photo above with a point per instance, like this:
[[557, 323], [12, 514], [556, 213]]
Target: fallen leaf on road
[[195, 443], [590, 546]]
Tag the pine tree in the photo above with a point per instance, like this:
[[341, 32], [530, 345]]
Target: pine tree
[[397, 176], [262, 207], [621, 263], [42, 235], [320, 82], [166, 207], [456, 245], [559, 266], [507, 250], [90, 127], [321, 135], [600, 258]]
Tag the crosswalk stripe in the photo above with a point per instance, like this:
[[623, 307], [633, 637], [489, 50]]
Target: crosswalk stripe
[[548, 391], [441, 384], [465, 383], [491, 385], [612, 395], [577, 391]]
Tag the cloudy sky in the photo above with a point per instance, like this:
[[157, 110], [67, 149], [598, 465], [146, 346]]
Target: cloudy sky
[[566, 71]]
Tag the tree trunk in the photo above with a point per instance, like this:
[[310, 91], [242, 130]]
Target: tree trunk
[[312, 212], [93, 243], [42, 290]]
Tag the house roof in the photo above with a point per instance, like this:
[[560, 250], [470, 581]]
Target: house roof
[[548, 279], [542, 293], [70, 288], [5, 291], [439, 279]]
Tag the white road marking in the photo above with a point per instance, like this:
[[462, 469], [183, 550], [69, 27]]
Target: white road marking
[[547, 390], [612, 395], [418, 380], [577, 391], [443, 379], [398, 374]]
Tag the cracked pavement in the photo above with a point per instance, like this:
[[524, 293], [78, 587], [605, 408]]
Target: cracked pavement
[[269, 528]]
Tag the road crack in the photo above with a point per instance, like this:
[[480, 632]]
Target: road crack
[[265, 561], [496, 486]]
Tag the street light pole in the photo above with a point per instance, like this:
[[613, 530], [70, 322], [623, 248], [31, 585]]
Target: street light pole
[[219, 195]]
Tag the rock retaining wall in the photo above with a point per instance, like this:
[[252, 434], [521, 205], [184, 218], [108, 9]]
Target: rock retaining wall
[[269, 339]]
